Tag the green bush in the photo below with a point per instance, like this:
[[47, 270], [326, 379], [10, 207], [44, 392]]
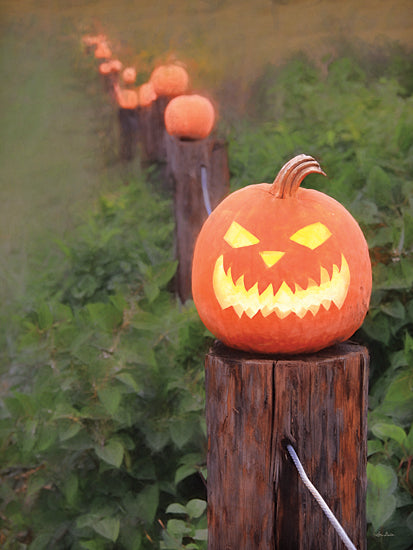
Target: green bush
[[102, 426]]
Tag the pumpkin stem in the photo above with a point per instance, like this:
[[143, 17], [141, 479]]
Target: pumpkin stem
[[291, 175]]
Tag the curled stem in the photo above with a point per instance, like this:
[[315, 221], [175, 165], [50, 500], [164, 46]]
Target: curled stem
[[291, 175]]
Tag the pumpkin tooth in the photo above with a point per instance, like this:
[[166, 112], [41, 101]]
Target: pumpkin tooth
[[326, 303], [253, 301], [311, 284], [342, 282], [324, 276], [314, 309]]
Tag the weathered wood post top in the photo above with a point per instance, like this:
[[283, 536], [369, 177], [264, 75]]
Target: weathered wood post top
[[255, 404]]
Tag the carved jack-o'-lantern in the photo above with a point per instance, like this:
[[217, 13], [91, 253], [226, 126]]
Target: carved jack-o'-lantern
[[281, 269]]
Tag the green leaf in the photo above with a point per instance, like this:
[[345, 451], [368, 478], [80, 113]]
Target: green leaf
[[147, 503], [70, 488], [381, 502], [183, 472], [196, 507], [177, 528], [409, 441], [201, 534], [110, 397], [108, 528], [389, 431], [374, 446], [379, 509], [128, 380], [70, 431], [45, 317], [111, 453], [181, 431], [382, 477], [105, 316], [176, 508], [394, 309]]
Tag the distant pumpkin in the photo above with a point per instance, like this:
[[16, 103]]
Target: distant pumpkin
[[103, 51], [189, 117], [115, 65], [127, 99], [93, 40], [129, 75], [169, 80], [146, 94], [281, 269], [111, 66]]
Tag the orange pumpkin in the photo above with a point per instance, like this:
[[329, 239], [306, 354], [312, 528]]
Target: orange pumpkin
[[189, 117], [129, 75], [105, 68], [115, 65], [169, 80], [103, 51], [146, 94], [281, 269], [127, 99], [93, 40]]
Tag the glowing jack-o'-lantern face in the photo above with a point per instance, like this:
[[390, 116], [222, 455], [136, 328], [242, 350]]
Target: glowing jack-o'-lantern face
[[281, 272]]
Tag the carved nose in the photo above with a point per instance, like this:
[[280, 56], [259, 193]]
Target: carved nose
[[271, 257]]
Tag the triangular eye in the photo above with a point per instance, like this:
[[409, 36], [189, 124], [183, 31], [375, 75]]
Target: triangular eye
[[312, 236], [238, 237]]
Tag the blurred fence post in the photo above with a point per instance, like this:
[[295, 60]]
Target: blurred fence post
[[187, 161]]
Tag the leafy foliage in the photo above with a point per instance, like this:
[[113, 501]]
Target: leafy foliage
[[102, 424]]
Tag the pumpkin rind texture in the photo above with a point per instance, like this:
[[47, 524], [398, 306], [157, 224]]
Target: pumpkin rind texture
[[281, 269], [189, 117], [169, 80]]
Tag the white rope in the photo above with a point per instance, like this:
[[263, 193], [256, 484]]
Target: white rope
[[204, 183], [331, 517]]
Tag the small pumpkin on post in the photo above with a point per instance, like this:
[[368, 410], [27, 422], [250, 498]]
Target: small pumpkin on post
[[128, 122], [109, 70], [167, 81], [198, 170], [189, 117], [129, 76], [282, 269]]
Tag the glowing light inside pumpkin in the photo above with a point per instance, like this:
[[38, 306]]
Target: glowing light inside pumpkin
[[312, 236], [286, 300], [238, 237]]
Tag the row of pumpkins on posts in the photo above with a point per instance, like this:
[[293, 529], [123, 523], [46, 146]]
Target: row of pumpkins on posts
[[187, 115], [277, 268]]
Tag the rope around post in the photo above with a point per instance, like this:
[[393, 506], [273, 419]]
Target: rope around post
[[204, 184], [321, 502]]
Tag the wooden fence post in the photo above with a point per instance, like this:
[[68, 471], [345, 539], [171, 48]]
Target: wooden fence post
[[187, 162], [128, 133], [152, 130], [254, 406]]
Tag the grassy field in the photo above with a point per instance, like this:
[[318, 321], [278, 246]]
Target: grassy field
[[51, 157]]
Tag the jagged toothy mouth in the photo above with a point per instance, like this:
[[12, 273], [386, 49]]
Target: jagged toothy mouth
[[285, 301]]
